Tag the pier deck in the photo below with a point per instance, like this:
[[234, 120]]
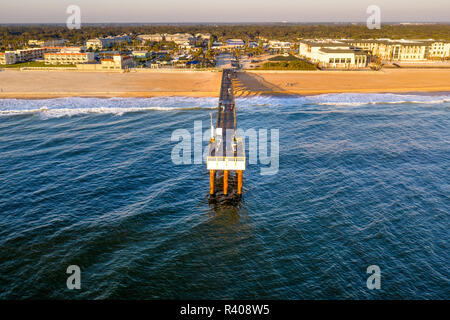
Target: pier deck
[[226, 150]]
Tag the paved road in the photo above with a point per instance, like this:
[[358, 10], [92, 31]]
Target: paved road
[[224, 61]]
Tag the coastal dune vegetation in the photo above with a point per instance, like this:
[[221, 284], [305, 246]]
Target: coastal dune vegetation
[[287, 63]]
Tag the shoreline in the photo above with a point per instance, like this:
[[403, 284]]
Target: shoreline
[[143, 95], [51, 85]]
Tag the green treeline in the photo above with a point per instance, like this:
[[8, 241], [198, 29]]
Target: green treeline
[[16, 36]]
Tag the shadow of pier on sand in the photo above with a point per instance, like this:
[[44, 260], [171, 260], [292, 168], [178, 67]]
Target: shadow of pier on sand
[[252, 84]]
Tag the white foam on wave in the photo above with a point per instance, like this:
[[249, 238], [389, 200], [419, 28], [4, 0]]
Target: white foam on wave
[[60, 107], [50, 108], [350, 99]]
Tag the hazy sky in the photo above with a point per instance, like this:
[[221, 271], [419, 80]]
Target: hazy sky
[[54, 11]]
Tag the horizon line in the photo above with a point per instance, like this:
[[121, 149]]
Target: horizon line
[[237, 23]]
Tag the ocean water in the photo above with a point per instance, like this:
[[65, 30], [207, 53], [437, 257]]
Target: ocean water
[[364, 179]]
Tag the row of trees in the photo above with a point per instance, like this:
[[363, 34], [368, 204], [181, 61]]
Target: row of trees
[[14, 36]]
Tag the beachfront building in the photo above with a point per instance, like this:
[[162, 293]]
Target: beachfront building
[[117, 62], [56, 58], [439, 50], [30, 54], [113, 63], [407, 51], [341, 58], [333, 54], [22, 55], [413, 51], [8, 57], [395, 50]]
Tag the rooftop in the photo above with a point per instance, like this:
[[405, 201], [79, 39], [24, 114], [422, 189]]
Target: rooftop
[[327, 50]]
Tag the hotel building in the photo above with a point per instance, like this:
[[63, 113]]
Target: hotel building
[[25, 55], [392, 50], [8, 57], [22, 55], [333, 55], [115, 62], [29, 54], [68, 57], [439, 50]]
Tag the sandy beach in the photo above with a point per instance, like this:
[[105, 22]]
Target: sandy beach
[[52, 84], [307, 83]]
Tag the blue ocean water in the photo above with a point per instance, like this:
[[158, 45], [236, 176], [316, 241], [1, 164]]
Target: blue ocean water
[[363, 180]]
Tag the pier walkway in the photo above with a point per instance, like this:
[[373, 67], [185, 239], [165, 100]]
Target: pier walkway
[[226, 150]]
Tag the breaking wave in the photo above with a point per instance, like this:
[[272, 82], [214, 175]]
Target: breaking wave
[[353, 99], [60, 107], [73, 106]]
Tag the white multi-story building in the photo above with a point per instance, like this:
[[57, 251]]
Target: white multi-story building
[[439, 49], [404, 50], [333, 54], [30, 54], [409, 51], [22, 55], [68, 58], [8, 57], [394, 50]]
